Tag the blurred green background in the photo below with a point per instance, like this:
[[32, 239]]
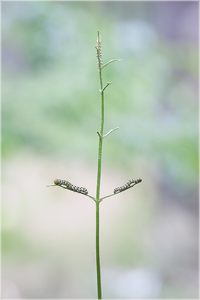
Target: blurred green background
[[50, 115]]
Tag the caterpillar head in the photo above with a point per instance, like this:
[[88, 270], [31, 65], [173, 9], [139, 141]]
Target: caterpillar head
[[57, 181], [138, 180]]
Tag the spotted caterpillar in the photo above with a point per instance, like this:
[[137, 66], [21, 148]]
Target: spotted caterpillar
[[126, 186], [67, 185]]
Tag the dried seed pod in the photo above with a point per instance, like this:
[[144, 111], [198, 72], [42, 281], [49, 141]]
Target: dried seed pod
[[99, 51]]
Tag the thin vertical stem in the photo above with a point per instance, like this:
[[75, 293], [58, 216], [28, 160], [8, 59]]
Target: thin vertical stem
[[98, 266]]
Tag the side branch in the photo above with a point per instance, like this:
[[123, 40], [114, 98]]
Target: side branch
[[87, 195], [103, 89], [109, 62], [101, 199], [64, 187], [105, 135], [110, 131]]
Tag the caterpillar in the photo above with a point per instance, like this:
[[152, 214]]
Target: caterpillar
[[128, 185], [67, 185]]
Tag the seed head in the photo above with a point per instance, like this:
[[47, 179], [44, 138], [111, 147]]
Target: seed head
[[99, 51]]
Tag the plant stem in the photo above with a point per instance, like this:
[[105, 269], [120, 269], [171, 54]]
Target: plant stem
[[100, 140], [98, 266]]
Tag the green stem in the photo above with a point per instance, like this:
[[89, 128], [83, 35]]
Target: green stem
[[100, 140], [98, 253], [98, 266]]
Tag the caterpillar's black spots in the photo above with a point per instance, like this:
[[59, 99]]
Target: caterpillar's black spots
[[67, 185], [128, 185]]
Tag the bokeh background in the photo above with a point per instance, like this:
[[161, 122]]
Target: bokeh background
[[50, 113]]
